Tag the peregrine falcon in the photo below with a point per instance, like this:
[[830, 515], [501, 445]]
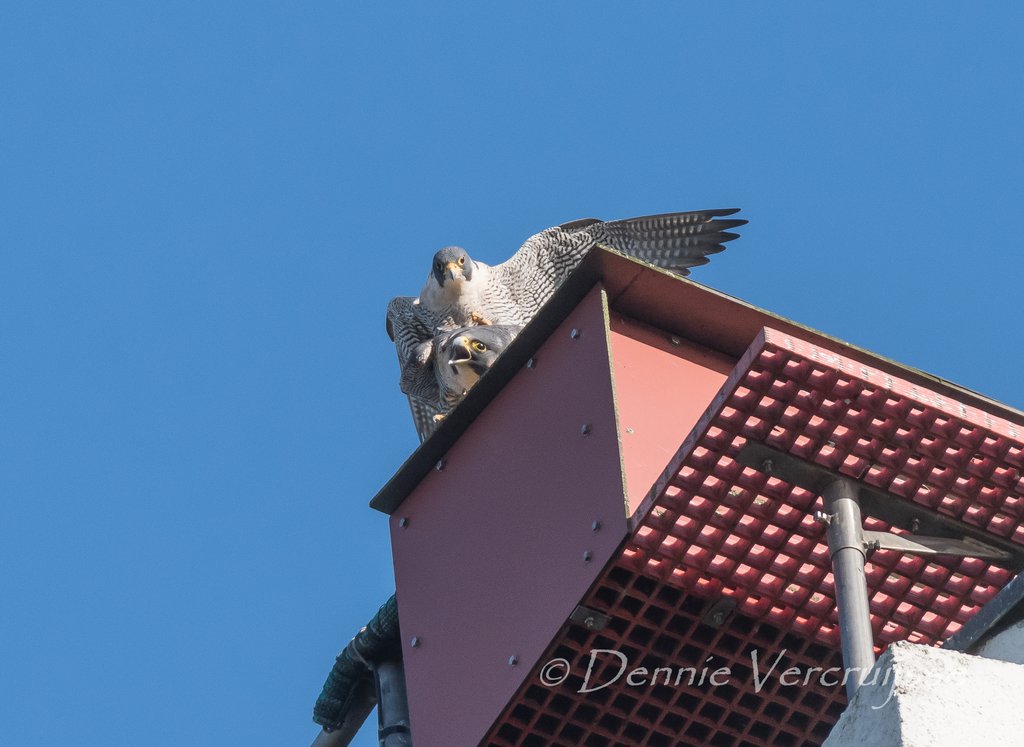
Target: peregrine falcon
[[453, 361], [470, 292], [463, 355], [461, 291]]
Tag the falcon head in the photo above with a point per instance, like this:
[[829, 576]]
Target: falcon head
[[468, 352], [451, 263]]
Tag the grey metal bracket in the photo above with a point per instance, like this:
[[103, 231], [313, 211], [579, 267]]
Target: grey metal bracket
[[589, 618], [931, 533], [916, 544], [718, 612]]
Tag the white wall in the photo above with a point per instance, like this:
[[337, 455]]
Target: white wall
[[929, 697]]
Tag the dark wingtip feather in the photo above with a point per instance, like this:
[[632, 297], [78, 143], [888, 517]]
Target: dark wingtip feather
[[727, 224], [696, 261], [675, 241], [713, 248]]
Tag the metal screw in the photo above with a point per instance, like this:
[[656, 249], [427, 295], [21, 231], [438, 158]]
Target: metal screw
[[872, 545], [590, 622], [596, 526], [823, 518], [915, 526], [403, 522], [585, 429], [440, 465], [674, 340], [767, 465], [587, 556], [575, 334], [415, 642], [629, 430], [513, 660], [531, 363], [718, 617]]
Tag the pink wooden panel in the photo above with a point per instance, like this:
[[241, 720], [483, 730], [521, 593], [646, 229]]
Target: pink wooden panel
[[490, 561], [662, 386]]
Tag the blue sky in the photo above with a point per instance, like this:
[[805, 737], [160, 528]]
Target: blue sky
[[204, 209]]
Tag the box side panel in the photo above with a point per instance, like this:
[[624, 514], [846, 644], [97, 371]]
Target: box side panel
[[663, 384], [493, 552]]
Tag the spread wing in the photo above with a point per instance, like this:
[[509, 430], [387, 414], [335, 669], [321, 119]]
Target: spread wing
[[673, 241]]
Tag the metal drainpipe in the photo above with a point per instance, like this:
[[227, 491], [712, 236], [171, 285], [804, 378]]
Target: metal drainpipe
[[362, 704], [846, 546], [392, 705]]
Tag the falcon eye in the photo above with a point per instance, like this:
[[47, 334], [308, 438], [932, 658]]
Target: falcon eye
[[462, 260], [479, 346]]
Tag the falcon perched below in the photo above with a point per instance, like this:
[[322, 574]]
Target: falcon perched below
[[463, 355], [454, 361], [461, 291]]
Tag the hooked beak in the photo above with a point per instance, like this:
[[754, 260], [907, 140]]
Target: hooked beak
[[452, 271], [460, 351]]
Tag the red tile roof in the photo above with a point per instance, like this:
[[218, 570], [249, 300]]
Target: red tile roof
[[713, 529]]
